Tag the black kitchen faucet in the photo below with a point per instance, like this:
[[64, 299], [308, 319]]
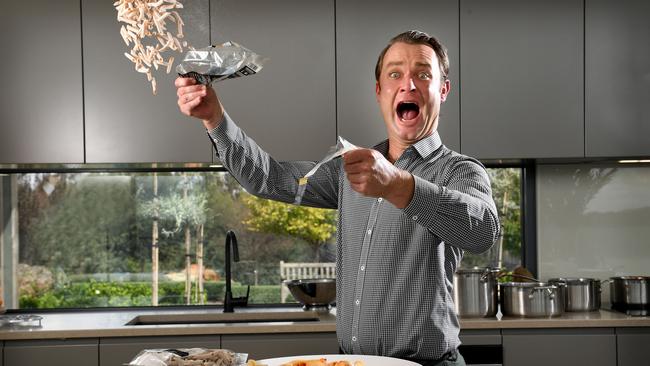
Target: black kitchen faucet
[[229, 302]]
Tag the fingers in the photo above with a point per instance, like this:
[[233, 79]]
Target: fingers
[[188, 101], [181, 81]]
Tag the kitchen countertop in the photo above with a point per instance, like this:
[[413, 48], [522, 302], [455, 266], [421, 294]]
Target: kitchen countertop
[[92, 324]]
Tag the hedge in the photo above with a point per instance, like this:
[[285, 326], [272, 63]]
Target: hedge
[[118, 294]]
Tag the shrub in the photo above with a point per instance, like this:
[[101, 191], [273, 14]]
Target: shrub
[[125, 294]]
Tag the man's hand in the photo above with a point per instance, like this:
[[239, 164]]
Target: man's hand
[[372, 175], [199, 101]]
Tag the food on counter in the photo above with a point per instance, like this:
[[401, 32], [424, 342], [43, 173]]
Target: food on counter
[[217, 357], [190, 357], [322, 362], [148, 18]]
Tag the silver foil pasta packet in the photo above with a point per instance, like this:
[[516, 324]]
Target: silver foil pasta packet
[[215, 63]]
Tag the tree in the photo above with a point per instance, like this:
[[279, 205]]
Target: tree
[[184, 209], [313, 225]]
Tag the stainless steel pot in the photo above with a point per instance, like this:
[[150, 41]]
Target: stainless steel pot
[[475, 292], [630, 294], [580, 294], [531, 299]]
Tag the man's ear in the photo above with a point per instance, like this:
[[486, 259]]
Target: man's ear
[[377, 90], [444, 90]]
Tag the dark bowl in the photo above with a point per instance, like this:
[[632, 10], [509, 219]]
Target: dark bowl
[[313, 293]]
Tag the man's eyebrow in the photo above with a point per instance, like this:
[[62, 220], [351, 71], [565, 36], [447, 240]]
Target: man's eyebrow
[[424, 64], [394, 63]]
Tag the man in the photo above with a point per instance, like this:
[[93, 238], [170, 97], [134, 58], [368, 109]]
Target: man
[[407, 208]]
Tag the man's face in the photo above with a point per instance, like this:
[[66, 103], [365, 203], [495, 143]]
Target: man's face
[[409, 92]]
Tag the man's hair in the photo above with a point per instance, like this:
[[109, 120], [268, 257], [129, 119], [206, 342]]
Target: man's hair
[[417, 37]]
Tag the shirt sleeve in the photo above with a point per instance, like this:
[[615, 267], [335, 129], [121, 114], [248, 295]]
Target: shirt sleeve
[[462, 213], [263, 176]]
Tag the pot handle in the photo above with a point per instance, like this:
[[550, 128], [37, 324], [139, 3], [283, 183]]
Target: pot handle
[[551, 295], [488, 271]]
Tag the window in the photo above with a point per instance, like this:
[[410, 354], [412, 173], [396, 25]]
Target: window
[[507, 251], [132, 238]]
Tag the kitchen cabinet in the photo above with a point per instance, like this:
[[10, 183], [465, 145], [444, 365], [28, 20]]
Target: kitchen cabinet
[[617, 78], [521, 67], [632, 345], [66, 352], [289, 107], [118, 351], [363, 29], [260, 346], [559, 347], [125, 122], [41, 109]]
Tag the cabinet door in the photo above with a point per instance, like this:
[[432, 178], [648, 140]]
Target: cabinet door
[[288, 107], [260, 346], [559, 347], [522, 78], [125, 122], [41, 113], [118, 351], [72, 352], [363, 29], [633, 346], [617, 78]]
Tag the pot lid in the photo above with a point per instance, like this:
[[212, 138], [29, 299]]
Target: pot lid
[[637, 278], [573, 280], [477, 270]]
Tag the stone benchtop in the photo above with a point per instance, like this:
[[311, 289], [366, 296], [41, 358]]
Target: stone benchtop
[[113, 323]]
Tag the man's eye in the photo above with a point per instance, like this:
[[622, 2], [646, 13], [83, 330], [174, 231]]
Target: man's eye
[[424, 76], [393, 75]]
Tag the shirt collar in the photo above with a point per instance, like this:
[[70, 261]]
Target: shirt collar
[[424, 147]]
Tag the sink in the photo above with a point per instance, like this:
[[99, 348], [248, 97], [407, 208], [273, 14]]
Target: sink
[[222, 318]]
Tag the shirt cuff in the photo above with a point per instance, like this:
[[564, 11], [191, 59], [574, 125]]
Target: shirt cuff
[[225, 134], [424, 204]]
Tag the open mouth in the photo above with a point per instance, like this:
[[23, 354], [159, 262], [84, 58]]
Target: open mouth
[[407, 111]]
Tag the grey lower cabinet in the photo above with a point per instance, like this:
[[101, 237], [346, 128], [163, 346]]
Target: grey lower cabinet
[[632, 345], [288, 108], [617, 78], [41, 109], [559, 347], [124, 121], [68, 352], [260, 346], [480, 337], [363, 29], [117, 351], [522, 78]]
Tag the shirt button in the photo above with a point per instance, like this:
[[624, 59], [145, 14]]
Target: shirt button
[[354, 339], [363, 268], [357, 302], [369, 231], [415, 217]]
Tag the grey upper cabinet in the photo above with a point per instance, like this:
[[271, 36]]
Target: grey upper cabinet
[[522, 78], [289, 107], [125, 122], [363, 29], [41, 109], [617, 78]]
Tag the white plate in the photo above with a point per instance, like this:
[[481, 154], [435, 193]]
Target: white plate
[[367, 360]]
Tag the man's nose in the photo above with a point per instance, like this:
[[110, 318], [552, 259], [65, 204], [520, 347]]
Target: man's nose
[[408, 85]]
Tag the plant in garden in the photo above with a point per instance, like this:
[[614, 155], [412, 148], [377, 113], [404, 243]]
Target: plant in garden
[[314, 225]]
